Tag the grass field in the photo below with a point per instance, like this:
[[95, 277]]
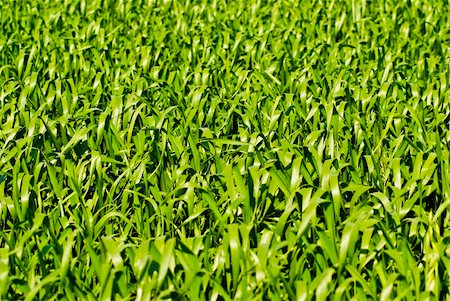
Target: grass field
[[224, 150]]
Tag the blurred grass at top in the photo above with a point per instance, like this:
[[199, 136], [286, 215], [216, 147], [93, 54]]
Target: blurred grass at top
[[221, 150]]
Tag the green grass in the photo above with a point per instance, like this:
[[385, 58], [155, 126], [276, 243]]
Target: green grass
[[222, 150]]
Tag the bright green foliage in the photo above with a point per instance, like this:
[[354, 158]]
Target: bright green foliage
[[221, 150]]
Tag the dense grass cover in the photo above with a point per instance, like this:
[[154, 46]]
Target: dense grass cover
[[217, 150]]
